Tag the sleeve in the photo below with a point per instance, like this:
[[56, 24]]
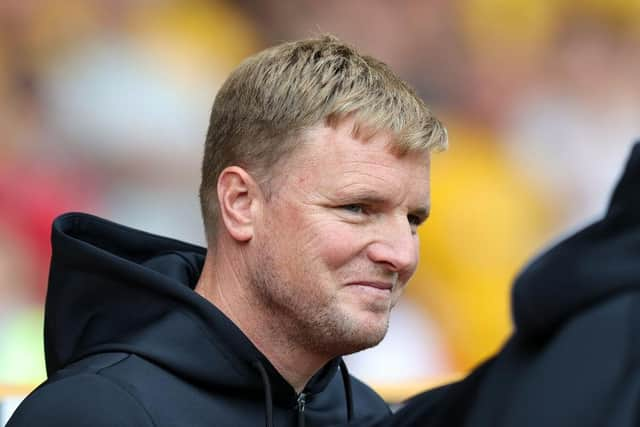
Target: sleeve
[[88, 400]]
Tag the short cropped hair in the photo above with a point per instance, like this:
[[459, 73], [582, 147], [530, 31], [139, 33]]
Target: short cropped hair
[[271, 98]]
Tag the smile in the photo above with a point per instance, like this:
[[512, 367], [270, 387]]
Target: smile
[[373, 287]]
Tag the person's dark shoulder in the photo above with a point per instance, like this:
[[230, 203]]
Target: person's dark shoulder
[[82, 400], [366, 401]]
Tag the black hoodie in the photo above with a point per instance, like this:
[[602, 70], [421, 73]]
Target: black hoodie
[[129, 343], [574, 358]]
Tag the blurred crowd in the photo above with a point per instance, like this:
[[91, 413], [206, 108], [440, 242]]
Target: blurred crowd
[[104, 106]]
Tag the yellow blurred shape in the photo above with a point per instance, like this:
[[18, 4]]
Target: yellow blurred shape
[[195, 38], [486, 221], [517, 25]]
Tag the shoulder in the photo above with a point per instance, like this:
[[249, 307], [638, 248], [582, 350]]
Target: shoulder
[[86, 399]]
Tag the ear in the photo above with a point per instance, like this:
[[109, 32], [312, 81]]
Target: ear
[[237, 193]]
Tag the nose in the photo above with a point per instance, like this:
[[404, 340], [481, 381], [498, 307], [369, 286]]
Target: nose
[[395, 247]]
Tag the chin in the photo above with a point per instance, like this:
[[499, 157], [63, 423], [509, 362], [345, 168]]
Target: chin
[[366, 332], [360, 345]]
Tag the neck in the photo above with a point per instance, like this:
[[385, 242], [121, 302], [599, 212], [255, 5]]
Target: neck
[[222, 286]]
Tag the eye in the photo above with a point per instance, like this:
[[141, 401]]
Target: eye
[[414, 220], [353, 208]]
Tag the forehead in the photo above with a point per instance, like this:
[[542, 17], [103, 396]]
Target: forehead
[[335, 158]]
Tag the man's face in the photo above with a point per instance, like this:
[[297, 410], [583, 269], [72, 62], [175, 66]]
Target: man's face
[[337, 240]]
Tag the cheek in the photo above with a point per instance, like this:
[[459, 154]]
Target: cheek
[[335, 243]]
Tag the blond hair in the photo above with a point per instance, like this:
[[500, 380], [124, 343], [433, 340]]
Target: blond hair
[[271, 98]]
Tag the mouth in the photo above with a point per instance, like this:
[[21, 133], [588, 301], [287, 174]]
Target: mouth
[[380, 287]]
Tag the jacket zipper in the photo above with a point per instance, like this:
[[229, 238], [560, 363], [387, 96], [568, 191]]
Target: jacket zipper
[[301, 402]]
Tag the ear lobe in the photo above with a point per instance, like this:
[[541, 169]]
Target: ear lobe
[[236, 197]]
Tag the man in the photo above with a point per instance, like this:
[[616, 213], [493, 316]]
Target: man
[[314, 179]]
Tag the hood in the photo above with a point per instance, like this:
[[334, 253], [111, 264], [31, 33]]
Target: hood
[[117, 289], [599, 261]]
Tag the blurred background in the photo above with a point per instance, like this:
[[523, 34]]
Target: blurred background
[[104, 107]]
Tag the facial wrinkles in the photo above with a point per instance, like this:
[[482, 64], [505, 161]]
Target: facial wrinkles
[[367, 172], [320, 225], [301, 208], [317, 307], [394, 199], [382, 170]]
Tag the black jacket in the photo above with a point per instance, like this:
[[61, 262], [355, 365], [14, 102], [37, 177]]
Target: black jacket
[[574, 358], [129, 343]]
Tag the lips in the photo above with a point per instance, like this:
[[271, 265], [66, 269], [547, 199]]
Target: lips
[[384, 286]]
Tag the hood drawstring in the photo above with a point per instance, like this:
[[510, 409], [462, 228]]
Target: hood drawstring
[[346, 382], [268, 399]]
